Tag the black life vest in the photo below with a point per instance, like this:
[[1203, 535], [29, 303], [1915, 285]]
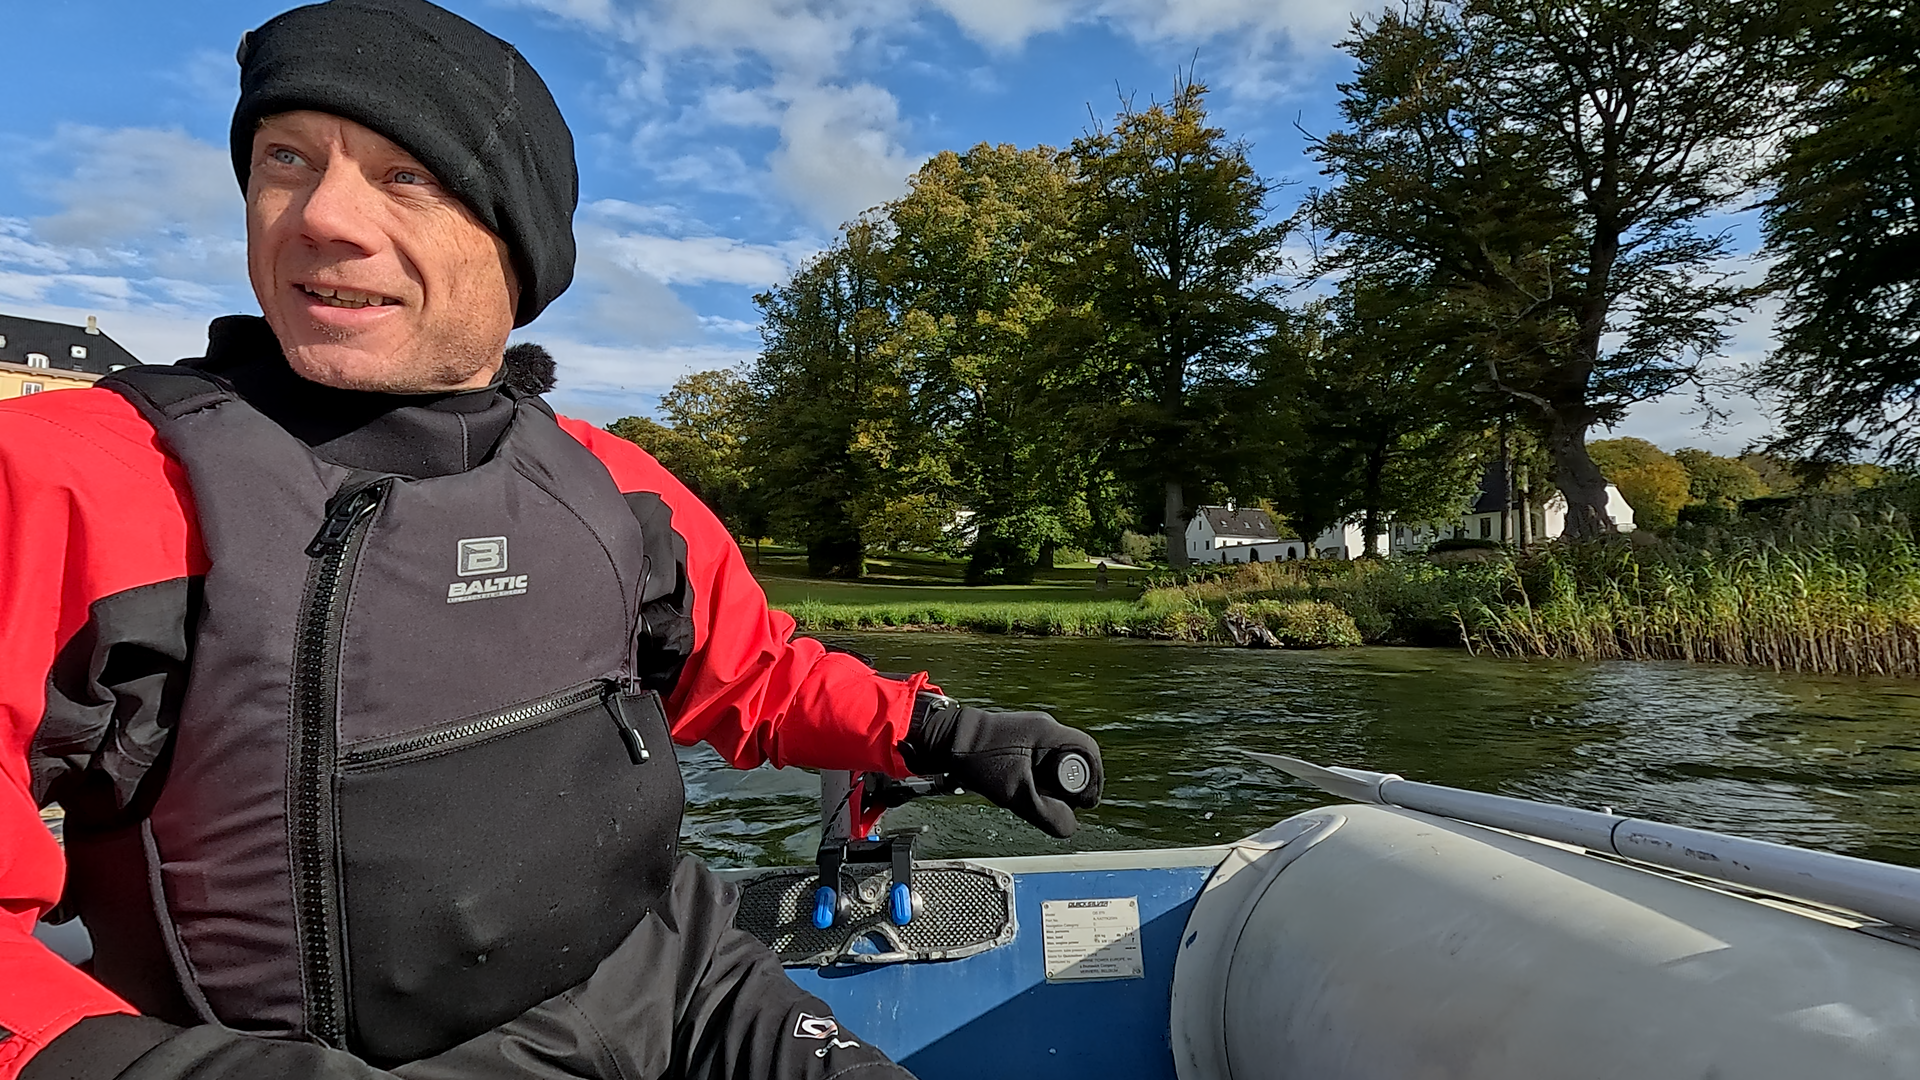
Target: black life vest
[[417, 783]]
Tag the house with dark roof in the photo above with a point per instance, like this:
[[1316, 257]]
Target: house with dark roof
[[1238, 534], [1496, 515], [36, 355]]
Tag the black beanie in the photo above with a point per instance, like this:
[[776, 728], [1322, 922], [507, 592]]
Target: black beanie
[[454, 96]]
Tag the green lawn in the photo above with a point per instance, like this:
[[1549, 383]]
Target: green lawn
[[921, 579]]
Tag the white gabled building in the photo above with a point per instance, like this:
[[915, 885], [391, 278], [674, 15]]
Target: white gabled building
[[1238, 534], [1491, 518], [1226, 534]]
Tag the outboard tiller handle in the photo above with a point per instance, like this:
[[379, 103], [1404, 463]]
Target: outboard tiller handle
[[1070, 774]]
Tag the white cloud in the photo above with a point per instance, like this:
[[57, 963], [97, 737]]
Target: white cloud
[[146, 197], [623, 298], [1304, 21], [723, 325], [33, 288], [145, 220], [840, 151], [796, 37], [1006, 24], [598, 14], [792, 66], [211, 79], [602, 383], [614, 301], [18, 247], [697, 260]]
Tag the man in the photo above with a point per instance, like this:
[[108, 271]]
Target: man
[[355, 669]]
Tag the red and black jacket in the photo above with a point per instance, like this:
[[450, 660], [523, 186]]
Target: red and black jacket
[[356, 704]]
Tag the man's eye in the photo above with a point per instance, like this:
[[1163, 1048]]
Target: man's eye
[[284, 156], [408, 176]]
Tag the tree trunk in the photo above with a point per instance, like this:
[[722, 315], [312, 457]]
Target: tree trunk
[[1522, 498], [1176, 510], [1370, 515], [836, 557], [1506, 482], [1579, 480]]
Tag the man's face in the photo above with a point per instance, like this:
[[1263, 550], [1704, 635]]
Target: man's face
[[372, 275]]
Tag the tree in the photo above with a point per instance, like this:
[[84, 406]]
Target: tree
[[1718, 481], [1546, 166], [1175, 257], [978, 246], [703, 442], [829, 415], [1372, 417], [1844, 221], [1651, 481]]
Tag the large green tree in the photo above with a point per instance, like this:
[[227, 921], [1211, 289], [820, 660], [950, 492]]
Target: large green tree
[[1369, 415], [979, 243], [1844, 221], [829, 419], [1549, 166], [701, 438], [1649, 478], [1174, 267], [1720, 482]]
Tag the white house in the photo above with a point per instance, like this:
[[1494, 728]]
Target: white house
[[1492, 518], [1227, 534], [1238, 534]]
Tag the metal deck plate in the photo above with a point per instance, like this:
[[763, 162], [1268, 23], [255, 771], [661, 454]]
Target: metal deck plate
[[965, 909]]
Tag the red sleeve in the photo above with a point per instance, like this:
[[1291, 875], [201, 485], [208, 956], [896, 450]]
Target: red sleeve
[[89, 506], [751, 690]]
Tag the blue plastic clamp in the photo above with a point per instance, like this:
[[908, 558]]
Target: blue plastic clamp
[[900, 903], [825, 905]]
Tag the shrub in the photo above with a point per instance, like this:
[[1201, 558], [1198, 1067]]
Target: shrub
[[1298, 624], [1140, 549]]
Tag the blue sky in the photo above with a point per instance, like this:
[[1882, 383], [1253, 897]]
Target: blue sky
[[720, 142]]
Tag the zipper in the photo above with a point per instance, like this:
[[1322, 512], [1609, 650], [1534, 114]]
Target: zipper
[[335, 550], [518, 718], [619, 695]]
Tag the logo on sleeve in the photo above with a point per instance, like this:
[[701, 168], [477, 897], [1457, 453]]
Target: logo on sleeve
[[824, 1029], [815, 1027], [484, 555]]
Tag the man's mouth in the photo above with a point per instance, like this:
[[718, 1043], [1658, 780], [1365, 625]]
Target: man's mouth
[[347, 298]]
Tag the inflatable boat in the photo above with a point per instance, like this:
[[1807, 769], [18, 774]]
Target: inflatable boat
[[1407, 931]]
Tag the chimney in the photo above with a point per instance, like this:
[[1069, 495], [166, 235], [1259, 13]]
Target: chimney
[[93, 324], [1229, 506]]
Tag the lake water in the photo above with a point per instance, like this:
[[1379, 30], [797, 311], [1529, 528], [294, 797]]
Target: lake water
[[1826, 762]]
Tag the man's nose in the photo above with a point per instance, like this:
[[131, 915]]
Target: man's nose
[[342, 208]]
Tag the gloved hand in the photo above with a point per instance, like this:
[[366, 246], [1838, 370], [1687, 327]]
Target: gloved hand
[[1010, 757]]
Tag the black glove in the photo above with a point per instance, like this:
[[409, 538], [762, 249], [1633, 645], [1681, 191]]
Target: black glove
[[1013, 758]]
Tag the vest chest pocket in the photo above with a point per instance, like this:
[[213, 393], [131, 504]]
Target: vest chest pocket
[[490, 863]]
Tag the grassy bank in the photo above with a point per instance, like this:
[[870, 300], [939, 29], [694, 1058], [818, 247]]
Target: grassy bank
[[1108, 618], [1293, 605], [1823, 587]]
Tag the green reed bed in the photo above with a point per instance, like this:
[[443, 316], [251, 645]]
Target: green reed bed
[[1841, 600]]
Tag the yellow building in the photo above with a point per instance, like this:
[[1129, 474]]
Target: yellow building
[[19, 379], [37, 356]]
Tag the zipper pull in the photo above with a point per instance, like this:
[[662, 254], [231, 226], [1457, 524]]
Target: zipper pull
[[341, 518], [616, 702]]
